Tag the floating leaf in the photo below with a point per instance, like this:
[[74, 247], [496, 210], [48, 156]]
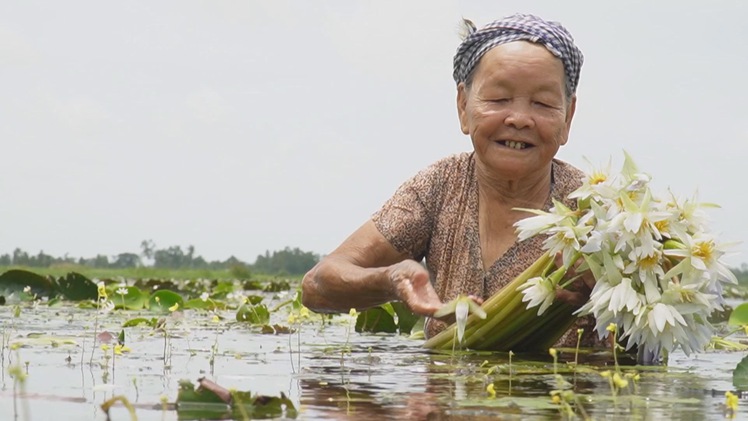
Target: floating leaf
[[254, 314], [406, 319], [212, 401], [140, 321], [164, 301], [199, 304], [252, 285], [739, 316], [277, 286], [223, 288], [740, 375], [15, 280], [189, 394], [375, 319], [254, 299], [132, 299], [43, 340], [76, 287]]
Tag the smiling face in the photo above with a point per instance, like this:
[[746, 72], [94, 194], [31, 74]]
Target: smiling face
[[516, 110]]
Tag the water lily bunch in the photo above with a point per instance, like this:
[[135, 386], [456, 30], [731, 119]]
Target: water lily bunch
[[503, 323], [657, 267]]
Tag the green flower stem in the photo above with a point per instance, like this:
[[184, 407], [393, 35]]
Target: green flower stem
[[538, 333], [672, 245], [505, 313], [485, 333]]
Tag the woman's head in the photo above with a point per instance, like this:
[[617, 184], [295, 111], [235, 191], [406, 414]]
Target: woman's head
[[515, 94], [519, 27]]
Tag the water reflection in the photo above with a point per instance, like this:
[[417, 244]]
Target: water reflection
[[383, 377], [412, 384]]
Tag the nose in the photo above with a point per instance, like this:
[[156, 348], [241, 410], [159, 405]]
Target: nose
[[519, 116]]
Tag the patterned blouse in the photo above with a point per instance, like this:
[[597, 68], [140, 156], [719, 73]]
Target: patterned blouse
[[434, 215]]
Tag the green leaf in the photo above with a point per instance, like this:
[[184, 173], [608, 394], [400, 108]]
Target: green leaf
[[221, 290], [375, 319], [254, 314], [188, 394], [405, 318], [204, 402], [76, 287], [133, 299], [277, 286], [739, 316], [740, 375], [297, 300], [15, 280], [164, 300], [140, 321], [199, 304], [254, 299]]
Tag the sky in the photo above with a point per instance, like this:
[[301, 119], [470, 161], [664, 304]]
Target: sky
[[244, 126]]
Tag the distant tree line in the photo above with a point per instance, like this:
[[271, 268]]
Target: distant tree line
[[286, 262], [742, 274]]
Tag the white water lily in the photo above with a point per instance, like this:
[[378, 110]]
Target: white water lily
[[658, 271], [530, 227], [461, 307], [539, 291]]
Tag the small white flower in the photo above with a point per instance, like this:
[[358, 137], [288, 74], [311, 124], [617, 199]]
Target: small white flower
[[107, 307], [27, 289], [122, 291], [534, 225], [461, 307], [204, 296], [538, 291]]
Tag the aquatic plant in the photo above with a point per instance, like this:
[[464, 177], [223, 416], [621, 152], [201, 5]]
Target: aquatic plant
[[656, 265], [657, 268], [508, 324]]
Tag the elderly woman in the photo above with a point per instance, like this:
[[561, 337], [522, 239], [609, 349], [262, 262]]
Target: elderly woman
[[516, 95]]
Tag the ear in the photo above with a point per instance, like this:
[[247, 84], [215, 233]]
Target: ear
[[570, 115], [462, 96]]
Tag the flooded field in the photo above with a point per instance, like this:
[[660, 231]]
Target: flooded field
[[325, 368]]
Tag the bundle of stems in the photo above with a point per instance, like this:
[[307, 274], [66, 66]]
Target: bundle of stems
[[509, 325]]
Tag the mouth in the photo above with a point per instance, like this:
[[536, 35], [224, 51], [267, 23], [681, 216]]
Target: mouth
[[514, 144]]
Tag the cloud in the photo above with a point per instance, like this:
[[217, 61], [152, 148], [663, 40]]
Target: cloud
[[15, 49], [207, 105], [83, 115]]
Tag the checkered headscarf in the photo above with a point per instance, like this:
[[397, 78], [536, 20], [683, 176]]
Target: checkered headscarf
[[516, 28]]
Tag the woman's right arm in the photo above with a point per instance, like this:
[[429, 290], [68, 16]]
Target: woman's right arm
[[365, 271]]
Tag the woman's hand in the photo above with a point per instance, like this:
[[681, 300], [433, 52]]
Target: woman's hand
[[578, 293], [412, 285]]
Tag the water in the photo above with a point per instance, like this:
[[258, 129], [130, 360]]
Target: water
[[381, 377]]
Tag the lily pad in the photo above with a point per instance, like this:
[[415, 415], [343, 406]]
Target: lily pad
[[254, 314], [140, 321], [15, 280], [376, 319], [277, 286], [739, 316], [165, 301], [76, 287], [740, 375], [212, 401], [132, 299], [405, 318], [199, 304]]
